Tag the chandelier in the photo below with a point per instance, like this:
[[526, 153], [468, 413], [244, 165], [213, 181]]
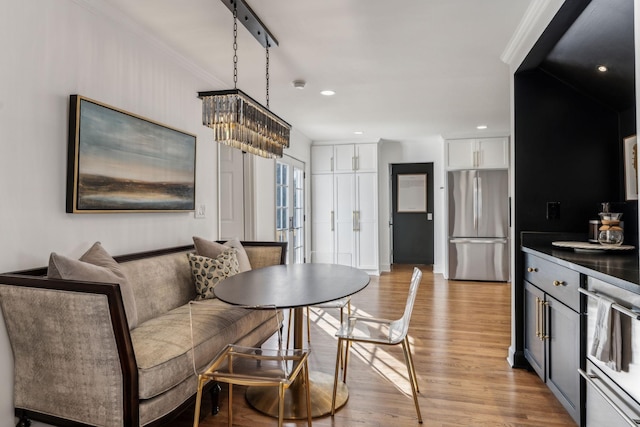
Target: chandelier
[[237, 119]]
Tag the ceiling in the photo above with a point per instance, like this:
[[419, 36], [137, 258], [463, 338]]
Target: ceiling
[[404, 71], [601, 35]]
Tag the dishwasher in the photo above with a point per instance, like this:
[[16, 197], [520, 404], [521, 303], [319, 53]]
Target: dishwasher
[[613, 397]]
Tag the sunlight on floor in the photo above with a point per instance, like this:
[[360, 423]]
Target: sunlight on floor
[[384, 363]]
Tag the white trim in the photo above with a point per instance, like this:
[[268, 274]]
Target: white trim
[[535, 20]]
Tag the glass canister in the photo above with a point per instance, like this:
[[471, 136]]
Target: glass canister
[[611, 232]]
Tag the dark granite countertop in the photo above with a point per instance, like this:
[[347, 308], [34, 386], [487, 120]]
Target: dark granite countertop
[[618, 268]]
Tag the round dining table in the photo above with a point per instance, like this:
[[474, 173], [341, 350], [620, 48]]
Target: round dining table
[[294, 286]]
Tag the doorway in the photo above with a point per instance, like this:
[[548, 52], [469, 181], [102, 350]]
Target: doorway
[[412, 213], [234, 194], [290, 217]]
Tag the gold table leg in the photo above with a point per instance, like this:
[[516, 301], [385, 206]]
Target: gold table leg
[[265, 399]]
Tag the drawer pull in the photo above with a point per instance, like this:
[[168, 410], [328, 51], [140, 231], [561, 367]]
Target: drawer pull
[[558, 283], [532, 269]]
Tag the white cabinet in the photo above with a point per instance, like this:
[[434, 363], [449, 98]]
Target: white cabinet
[[485, 153], [344, 158], [344, 205]]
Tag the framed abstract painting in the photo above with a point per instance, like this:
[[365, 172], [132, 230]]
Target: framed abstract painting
[[121, 162]]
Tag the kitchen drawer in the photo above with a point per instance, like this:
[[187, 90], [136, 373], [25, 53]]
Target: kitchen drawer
[[560, 282]]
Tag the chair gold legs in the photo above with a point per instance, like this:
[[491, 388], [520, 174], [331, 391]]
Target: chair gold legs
[[335, 378], [412, 375], [196, 415], [408, 358], [202, 380]]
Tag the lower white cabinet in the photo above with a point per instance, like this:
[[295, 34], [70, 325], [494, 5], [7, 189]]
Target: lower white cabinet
[[344, 219]]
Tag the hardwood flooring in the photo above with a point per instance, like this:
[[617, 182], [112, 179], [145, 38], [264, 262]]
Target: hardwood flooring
[[460, 332]]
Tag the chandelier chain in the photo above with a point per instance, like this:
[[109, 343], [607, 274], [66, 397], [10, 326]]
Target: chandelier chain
[[235, 47], [267, 75]]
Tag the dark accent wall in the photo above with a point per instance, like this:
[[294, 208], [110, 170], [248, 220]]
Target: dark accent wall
[[568, 149]]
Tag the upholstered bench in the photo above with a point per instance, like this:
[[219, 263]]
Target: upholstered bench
[[101, 354]]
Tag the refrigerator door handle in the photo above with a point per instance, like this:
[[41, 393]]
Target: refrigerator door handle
[[475, 203], [479, 199]]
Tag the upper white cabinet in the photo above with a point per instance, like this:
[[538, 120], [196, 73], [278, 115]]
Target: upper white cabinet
[[484, 153], [345, 158]]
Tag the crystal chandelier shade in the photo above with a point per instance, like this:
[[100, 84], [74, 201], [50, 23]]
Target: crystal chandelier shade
[[239, 121]]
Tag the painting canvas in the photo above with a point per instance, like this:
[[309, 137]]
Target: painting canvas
[[120, 162], [412, 193], [631, 167]]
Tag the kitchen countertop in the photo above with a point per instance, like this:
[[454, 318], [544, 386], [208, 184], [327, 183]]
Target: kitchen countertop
[[618, 268]]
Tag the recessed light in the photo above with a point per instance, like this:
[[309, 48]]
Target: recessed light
[[358, 132], [602, 68], [480, 127], [328, 92]]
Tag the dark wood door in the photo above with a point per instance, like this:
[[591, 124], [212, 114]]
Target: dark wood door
[[412, 228]]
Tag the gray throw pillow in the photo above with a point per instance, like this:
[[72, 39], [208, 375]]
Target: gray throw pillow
[[208, 272], [95, 265], [212, 249]]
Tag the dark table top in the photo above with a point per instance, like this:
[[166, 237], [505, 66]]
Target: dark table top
[[293, 285]]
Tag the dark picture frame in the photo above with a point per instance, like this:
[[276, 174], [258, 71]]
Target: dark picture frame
[[122, 162]]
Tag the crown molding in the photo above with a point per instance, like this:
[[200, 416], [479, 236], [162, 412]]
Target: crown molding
[[101, 8], [535, 20]]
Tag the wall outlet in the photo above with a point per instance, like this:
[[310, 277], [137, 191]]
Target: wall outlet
[[553, 210], [201, 211]]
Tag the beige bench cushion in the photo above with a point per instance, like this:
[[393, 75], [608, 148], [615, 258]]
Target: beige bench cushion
[[163, 345]]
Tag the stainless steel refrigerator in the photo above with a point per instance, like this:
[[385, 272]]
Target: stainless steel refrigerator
[[478, 225]]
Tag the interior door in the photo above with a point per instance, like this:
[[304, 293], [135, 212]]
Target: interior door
[[290, 207], [412, 226], [231, 193]]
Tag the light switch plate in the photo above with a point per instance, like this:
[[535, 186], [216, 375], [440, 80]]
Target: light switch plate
[[201, 211]]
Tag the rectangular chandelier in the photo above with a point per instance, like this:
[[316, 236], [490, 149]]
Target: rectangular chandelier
[[241, 122]]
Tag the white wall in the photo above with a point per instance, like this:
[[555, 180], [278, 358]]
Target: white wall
[[390, 152], [50, 50]]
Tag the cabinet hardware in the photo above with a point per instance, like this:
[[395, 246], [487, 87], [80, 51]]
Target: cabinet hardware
[[543, 331], [353, 163], [620, 308], [532, 269], [538, 317], [356, 220], [331, 163], [558, 283], [333, 221]]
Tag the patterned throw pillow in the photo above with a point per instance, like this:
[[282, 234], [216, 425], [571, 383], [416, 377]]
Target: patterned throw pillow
[[208, 272]]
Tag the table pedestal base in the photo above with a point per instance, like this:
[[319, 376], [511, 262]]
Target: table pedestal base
[[265, 399]]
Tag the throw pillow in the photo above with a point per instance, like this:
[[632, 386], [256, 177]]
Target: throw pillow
[[95, 265], [212, 249], [208, 272]]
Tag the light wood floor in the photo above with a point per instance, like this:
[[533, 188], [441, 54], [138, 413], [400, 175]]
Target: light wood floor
[[460, 333]]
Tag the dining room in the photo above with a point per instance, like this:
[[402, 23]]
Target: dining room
[[458, 333]]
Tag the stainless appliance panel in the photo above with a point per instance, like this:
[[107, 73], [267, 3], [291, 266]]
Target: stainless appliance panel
[[461, 186], [492, 203], [607, 404], [613, 397], [479, 259], [478, 203], [629, 374]]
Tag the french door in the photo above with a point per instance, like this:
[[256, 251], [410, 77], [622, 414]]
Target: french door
[[290, 217]]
